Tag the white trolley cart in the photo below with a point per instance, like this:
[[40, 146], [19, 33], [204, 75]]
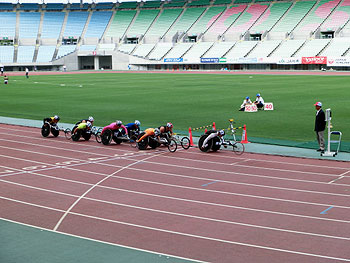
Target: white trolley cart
[[336, 135]]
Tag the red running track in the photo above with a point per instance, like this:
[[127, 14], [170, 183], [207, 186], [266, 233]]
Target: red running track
[[212, 207]]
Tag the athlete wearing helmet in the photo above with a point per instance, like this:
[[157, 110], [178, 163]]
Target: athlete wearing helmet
[[52, 120], [212, 134], [246, 101], [114, 126], [133, 127], [82, 126], [155, 132], [166, 131], [90, 119]]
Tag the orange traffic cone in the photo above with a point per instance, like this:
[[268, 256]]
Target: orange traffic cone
[[244, 135], [190, 135], [214, 128]]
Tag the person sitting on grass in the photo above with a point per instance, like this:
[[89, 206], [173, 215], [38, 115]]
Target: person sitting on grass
[[83, 126], [259, 102], [246, 101], [114, 126], [212, 134], [52, 120]]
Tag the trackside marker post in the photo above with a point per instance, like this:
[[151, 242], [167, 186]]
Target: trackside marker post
[[214, 128], [244, 135], [190, 135]]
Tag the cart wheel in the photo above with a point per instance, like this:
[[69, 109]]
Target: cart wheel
[[172, 145], [55, 132], [215, 144], [238, 148], [200, 143], [142, 145], [76, 136], [68, 134], [106, 137], [45, 130], [185, 143]]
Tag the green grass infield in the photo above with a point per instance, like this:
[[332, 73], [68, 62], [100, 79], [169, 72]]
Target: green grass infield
[[186, 100]]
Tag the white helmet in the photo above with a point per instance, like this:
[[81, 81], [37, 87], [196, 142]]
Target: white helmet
[[156, 132], [91, 118], [222, 132], [56, 117], [137, 123], [118, 122], [169, 124], [88, 124]]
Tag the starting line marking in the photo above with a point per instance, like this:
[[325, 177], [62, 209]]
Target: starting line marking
[[325, 211]]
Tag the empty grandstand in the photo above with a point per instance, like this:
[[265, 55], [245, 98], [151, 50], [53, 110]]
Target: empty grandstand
[[171, 33]]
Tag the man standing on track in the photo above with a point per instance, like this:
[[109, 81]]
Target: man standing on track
[[27, 73], [320, 125]]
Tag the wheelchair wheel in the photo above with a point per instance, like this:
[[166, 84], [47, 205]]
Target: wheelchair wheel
[[142, 145], [215, 145], [98, 135], [45, 130], [86, 135], [185, 142], [76, 136], [153, 143], [133, 139], [68, 134], [55, 132], [172, 145], [200, 143], [115, 137], [238, 148], [106, 137]]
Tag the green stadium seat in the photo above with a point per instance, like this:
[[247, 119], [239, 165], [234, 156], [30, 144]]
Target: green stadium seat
[[120, 23], [175, 4], [164, 21], [128, 5], [222, 2], [243, 1], [207, 19], [199, 3], [152, 4], [143, 21]]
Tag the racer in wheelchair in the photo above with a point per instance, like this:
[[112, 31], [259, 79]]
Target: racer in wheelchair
[[115, 131], [133, 128], [50, 124], [166, 131], [211, 135], [90, 119]]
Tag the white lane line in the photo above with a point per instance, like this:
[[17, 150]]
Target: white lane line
[[178, 199], [95, 185], [202, 154], [102, 242], [209, 238], [340, 177]]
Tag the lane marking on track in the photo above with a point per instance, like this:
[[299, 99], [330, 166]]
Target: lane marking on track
[[198, 153], [177, 199], [103, 242], [181, 215], [210, 238], [324, 212], [211, 183], [340, 177]]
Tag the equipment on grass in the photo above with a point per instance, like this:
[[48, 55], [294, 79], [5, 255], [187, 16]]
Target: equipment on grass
[[330, 133]]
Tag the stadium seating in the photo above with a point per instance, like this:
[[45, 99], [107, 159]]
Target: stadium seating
[[179, 50], [6, 54], [241, 49], [222, 2], [160, 50], [6, 7], [164, 22], [317, 16], [87, 48], [264, 48], [312, 48], [339, 17], [287, 48], [29, 24], [218, 50], [186, 20], [142, 22], [293, 17], [98, 23], [128, 5], [28, 7], [126, 48], [174, 4], [103, 6], [143, 50], [207, 19], [53, 7], [45, 53], [197, 51], [52, 20], [270, 17], [65, 50], [199, 3], [106, 47], [226, 20], [8, 24], [152, 4], [247, 19], [120, 23], [75, 23], [25, 54], [337, 47]]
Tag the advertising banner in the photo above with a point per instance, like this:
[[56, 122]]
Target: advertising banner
[[338, 61], [265, 60], [209, 60], [289, 61], [314, 60], [176, 60], [242, 60]]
